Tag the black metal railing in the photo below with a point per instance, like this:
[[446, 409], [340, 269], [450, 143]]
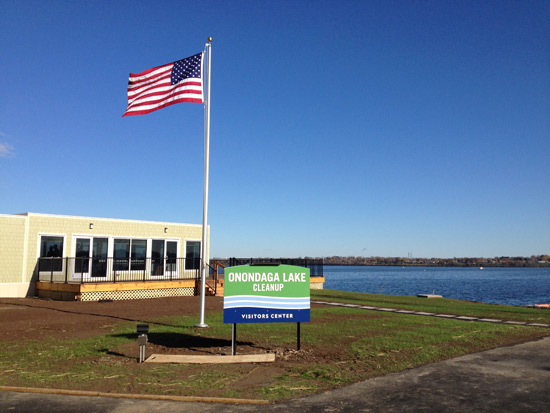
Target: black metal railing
[[315, 265], [97, 270]]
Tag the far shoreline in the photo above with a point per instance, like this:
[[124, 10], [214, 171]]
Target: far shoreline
[[437, 265]]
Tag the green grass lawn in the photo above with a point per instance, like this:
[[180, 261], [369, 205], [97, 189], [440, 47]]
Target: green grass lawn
[[436, 305], [339, 346]]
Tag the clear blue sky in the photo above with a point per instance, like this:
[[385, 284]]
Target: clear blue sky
[[374, 128]]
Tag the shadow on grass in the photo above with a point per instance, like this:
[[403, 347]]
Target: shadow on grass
[[187, 341], [114, 353]]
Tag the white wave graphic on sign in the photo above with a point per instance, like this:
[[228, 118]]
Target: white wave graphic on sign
[[283, 303]]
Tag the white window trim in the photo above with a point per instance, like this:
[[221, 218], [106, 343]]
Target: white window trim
[[150, 254], [110, 244], [63, 253], [185, 251]]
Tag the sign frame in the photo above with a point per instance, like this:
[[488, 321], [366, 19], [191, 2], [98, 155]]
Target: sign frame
[[266, 293]]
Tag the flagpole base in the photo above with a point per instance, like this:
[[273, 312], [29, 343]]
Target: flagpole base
[[201, 325]]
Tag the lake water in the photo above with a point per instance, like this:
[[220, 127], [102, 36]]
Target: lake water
[[514, 286]]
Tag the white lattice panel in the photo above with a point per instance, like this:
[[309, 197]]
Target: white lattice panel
[[137, 294]]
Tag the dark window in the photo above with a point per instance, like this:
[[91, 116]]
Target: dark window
[[157, 257], [193, 255], [99, 262], [139, 253], [82, 256], [129, 254], [164, 255], [51, 253], [121, 254], [171, 257]]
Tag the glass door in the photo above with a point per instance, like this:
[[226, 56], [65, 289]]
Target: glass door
[[164, 256], [157, 257], [90, 257], [171, 258], [81, 268], [99, 257]]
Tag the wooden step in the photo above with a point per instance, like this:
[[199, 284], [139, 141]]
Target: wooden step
[[211, 292], [213, 359]]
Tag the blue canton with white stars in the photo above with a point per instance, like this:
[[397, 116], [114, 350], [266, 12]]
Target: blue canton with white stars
[[186, 68]]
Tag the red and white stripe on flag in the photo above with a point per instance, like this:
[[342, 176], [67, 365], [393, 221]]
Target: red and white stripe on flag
[[165, 85]]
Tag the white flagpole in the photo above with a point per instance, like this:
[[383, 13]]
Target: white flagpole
[[204, 263]]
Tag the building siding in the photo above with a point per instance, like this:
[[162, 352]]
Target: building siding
[[12, 248], [20, 241]]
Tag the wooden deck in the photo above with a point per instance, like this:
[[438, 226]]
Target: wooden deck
[[115, 291], [135, 289]]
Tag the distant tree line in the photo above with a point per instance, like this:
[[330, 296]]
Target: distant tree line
[[532, 261]]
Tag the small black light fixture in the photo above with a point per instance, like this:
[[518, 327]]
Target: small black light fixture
[[142, 328], [91, 225], [165, 230]]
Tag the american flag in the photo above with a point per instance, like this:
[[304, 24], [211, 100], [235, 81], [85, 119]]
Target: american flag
[[165, 85]]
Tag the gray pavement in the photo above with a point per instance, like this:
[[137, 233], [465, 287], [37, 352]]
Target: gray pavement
[[506, 379]]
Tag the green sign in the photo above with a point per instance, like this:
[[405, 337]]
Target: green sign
[[266, 294]]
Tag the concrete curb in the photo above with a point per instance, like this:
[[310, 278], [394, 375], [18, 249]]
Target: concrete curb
[[422, 313], [200, 399]]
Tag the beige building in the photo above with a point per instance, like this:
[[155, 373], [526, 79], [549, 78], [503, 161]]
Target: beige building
[[72, 257]]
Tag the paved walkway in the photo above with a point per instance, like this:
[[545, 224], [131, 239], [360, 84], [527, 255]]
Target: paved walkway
[[422, 313]]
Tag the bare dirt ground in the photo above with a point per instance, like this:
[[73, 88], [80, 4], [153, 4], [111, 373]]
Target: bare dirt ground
[[38, 319], [33, 318]]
